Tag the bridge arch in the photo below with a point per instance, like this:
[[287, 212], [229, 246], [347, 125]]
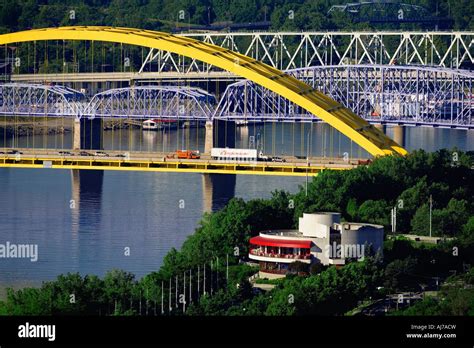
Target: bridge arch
[[300, 93]]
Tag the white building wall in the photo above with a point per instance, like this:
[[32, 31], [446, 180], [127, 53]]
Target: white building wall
[[363, 235], [318, 224]]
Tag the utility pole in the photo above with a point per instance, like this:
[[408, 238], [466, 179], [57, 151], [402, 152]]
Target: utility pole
[[169, 298], [431, 211], [184, 291], [394, 219], [210, 291], [307, 162], [140, 303], [391, 219], [146, 301], [217, 272], [162, 288], [176, 292]]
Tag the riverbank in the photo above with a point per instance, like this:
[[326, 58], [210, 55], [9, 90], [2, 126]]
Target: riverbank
[[23, 126]]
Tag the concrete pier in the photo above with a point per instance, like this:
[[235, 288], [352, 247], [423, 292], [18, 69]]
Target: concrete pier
[[218, 189], [399, 135], [219, 134], [209, 137], [76, 135], [88, 134], [381, 127]]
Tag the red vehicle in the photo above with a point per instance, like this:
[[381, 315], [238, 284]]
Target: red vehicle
[[188, 154]]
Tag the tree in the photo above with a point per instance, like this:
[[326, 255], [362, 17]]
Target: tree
[[377, 212], [446, 221], [118, 287], [400, 275], [410, 200], [467, 236]]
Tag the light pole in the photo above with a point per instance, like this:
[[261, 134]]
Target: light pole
[[394, 219], [307, 161], [431, 211]]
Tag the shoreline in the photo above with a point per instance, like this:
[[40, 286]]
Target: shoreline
[[56, 126]]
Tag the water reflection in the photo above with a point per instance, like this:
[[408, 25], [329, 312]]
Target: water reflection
[[217, 190], [86, 201]]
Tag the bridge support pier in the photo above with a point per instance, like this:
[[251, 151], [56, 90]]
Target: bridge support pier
[[209, 137], [76, 135], [219, 134], [218, 189], [381, 127], [399, 135], [87, 134]]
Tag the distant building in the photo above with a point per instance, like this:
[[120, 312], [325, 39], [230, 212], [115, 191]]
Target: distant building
[[320, 238]]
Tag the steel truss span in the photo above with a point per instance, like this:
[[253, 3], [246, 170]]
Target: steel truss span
[[20, 99], [409, 95], [291, 50], [152, 101], [357, 129], [131, 102]]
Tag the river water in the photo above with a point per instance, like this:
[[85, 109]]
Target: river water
[[86, 221]]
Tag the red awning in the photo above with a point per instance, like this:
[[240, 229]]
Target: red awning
[[287, 243]]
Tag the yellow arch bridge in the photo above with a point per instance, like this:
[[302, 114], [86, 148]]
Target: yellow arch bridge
[[374, 141]]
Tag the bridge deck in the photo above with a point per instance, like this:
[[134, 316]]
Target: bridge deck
[[163, 164]]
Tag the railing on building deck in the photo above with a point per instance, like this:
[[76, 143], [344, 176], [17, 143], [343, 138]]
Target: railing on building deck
[[281, 256]]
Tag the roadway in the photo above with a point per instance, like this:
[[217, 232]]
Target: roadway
[[170, 76], [163, 162]]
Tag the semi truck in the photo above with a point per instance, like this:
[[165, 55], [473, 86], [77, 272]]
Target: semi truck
[[228, 154]]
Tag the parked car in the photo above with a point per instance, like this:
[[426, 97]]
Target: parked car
[[14, 152], [84, 153]]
